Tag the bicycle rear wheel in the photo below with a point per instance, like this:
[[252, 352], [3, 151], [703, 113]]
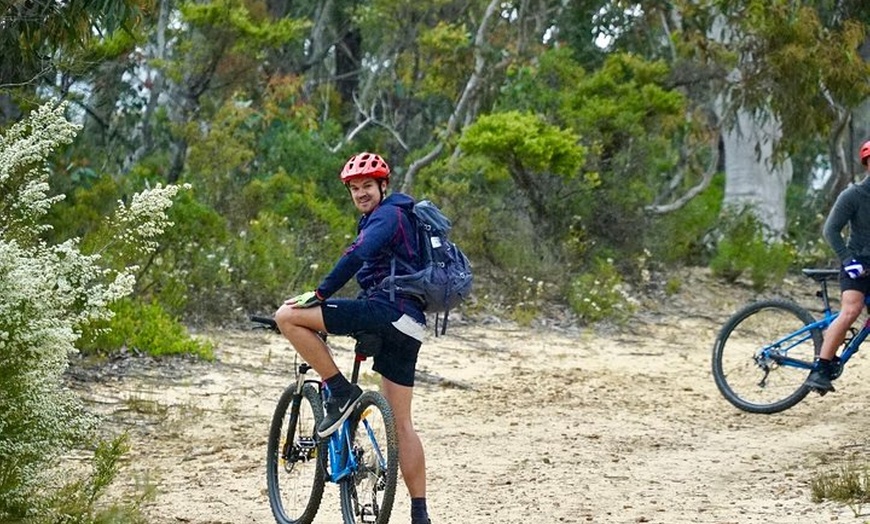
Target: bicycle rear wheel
[[746, 354], [367, 494], [295, 473]]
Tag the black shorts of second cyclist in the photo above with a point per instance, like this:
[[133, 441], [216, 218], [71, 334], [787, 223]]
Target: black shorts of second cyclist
[[397, 360], [858, 284]]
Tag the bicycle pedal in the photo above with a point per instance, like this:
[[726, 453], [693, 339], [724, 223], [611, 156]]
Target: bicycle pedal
[[367, 513], [823, 392]]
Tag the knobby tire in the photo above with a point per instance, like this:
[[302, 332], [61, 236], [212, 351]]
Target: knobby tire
[[739, 376], [371, 485], [295, 496]]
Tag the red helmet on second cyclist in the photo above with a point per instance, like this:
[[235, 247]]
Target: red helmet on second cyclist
[[364, 165], [864, 154]]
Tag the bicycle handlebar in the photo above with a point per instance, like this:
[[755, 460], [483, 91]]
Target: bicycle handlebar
[[266, 322], [269, 323]]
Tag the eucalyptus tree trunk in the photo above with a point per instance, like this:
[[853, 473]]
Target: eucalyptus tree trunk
[[860, 134], [860, 131], [753, 181]]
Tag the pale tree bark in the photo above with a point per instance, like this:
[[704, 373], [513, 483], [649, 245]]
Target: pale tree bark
[[851, 129], [156, 82], [753, 181], [530, 22], [860, 133], [465, 100]]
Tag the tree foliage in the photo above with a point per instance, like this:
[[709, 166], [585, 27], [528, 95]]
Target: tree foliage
[[582, 129], [575, 145]]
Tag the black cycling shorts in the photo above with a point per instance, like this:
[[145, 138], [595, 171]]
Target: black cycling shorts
[[858, 284], [397, 359]]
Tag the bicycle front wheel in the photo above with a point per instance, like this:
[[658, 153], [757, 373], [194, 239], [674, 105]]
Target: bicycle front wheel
[[295, 473], [367, 494], [748, 364]]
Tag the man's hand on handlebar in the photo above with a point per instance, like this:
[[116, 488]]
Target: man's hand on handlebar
[[304, 300]]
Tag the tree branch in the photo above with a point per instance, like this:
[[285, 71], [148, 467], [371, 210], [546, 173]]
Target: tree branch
[[661, 209], [464, 100], [370, 118]]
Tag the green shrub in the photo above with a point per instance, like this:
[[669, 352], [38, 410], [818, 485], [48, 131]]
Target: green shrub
[[600, 294], [678, 237], [82, 500], [672, 286], [745, 248], [269, 265], [191, 274], [142, 327], [849, 485]]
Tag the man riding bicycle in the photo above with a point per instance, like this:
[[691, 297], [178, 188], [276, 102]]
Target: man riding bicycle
[[852, 208], [385, 241]]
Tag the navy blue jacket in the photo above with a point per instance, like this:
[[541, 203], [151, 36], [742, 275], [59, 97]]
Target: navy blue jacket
[[853, 208], [382, 234]]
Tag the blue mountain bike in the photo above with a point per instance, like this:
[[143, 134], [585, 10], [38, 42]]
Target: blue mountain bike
[[765, 352], [362, 456]]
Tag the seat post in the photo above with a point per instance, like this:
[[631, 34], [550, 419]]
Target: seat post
[[825, 300], [354, 376]]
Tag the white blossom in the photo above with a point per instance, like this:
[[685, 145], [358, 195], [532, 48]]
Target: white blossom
[[49, 292], [23, 177]]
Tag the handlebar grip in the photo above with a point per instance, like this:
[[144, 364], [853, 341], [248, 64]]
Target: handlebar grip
[[268, 322]]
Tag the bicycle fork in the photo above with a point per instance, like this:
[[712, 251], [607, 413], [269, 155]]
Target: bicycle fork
[[297, 448]]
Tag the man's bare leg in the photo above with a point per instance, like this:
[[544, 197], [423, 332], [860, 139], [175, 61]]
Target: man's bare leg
[[300, 326], [412, 460]]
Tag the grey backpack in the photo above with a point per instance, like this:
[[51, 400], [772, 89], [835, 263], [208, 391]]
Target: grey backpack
[[445, 278]]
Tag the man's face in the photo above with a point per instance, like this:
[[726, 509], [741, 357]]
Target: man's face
[[366, 194]]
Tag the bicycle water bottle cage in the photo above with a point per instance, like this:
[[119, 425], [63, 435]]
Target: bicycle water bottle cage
[[368, 343]]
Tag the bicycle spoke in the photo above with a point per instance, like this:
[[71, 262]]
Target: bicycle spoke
[[367, 495], [295, 476], [756, 366]]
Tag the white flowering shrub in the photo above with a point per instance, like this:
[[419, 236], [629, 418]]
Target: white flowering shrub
[[48, 293], [24, 187], [601, 294]]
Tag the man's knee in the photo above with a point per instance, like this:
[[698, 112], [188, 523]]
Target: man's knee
[[851, 310], [290, 319], [287, 318]]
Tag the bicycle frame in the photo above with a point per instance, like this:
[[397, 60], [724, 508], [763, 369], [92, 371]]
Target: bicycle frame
[[778, 350], [339, 445], [353, 456], [343, 462], [341, 452]]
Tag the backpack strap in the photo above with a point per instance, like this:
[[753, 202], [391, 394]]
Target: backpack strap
[[443, 324], [393, 279]]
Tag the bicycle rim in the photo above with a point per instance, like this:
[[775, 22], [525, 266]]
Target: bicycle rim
[[294, 474], [367, 494], [744, 376]]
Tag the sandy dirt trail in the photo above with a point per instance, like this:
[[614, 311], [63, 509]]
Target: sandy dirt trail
[[527, 425]]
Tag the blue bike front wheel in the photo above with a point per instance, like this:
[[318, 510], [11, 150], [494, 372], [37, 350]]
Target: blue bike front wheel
[[367, 494], [763, 355]]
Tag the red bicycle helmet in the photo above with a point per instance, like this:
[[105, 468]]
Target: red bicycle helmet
[[864, 154], [365, 165]]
